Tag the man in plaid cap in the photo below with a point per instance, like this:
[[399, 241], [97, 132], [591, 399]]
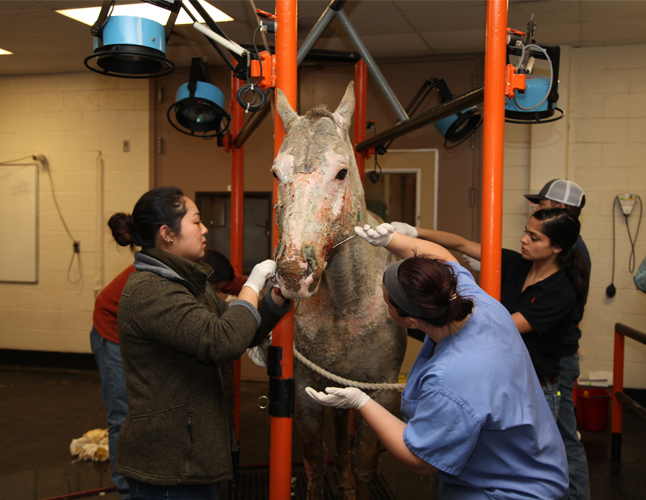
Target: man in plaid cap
[[567, 194]]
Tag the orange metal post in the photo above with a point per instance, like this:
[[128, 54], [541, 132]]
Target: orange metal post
[[493, 145], [617, 384], [360, 96], [237, 213], [280, 453]]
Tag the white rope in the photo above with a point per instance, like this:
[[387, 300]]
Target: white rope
[[345, 381]]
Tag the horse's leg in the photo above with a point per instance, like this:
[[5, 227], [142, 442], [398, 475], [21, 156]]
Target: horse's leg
[[343, 421], [308, 417], [366, 448]]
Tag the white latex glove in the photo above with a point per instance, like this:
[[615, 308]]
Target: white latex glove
[[337, 397], [403, 228], [379, 236], [258, 354], [260, 274], [474, 264]]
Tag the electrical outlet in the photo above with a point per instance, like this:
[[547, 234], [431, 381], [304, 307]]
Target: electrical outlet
[[126, 146]]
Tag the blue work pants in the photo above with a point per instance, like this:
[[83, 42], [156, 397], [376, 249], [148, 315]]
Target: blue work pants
[[113, 386], [576, 459], [552, 395]]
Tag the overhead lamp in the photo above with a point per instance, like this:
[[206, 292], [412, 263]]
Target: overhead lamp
[[538, 102], [455, 128], [459, 127], [130, 47], [199, 107]]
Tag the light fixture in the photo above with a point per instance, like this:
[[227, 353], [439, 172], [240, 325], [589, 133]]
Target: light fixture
[[5, 52], [538, 102], [199, 108], [130, 47], [455, 128], [459, 127]]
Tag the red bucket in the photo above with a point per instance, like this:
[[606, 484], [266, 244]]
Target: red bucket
[[592, 408]]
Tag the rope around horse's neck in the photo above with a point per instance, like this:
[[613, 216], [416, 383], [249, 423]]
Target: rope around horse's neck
[[345, 381]]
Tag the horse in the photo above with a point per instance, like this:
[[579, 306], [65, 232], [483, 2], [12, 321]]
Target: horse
[[341, 323]]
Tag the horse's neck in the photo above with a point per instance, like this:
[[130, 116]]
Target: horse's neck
[[351, 274]]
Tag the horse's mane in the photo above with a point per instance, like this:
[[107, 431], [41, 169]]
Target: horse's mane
[[319, 112]]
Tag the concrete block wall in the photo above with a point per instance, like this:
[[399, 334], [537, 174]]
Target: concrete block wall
[[601, 145], [80, 122], [607, 157]]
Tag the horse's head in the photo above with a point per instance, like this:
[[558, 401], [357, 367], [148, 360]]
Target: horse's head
[[320, 195]]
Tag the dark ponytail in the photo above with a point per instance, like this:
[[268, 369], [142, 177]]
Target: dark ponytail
[[431, 285], [158, 207], [563, 229]]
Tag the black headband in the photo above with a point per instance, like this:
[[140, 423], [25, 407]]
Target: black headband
[[397, 293], [400, 299]]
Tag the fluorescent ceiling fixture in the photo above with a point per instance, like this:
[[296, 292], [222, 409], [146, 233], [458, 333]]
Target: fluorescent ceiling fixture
[[90, 14], [4, 52]]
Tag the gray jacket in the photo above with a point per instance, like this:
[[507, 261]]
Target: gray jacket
[[174, 332]]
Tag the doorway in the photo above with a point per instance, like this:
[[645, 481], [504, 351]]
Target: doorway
[[215, 209], [393, 195]]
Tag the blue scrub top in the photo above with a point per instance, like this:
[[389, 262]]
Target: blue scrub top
[[475, 410]]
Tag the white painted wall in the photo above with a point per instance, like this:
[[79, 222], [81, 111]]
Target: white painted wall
[[72, 118], [601, 145]]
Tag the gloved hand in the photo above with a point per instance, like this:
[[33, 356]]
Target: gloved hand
[[337, 397], [260, 274], [403, 228], [473, 263], [379, 236], [258, 354]]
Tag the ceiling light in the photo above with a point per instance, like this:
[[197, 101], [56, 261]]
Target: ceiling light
[[199, 109], [89, 15], [5, 52], [129, 47]]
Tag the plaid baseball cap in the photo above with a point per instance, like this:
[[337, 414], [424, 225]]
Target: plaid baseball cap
[[560, 191]]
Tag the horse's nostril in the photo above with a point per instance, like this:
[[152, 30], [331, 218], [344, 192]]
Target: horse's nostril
[[310, 258]]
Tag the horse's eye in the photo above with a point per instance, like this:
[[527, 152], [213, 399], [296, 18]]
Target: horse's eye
[[342, 173]]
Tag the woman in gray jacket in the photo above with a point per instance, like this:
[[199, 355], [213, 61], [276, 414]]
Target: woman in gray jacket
[[175, 333]]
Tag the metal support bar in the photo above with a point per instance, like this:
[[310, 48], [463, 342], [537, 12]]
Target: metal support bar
[[493, 146], [372, 66], [631, 404], [214, 27], [314, 34], [619, 398], [442, 111], [630, 332]]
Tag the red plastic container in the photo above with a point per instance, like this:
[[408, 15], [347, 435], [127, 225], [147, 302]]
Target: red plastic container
[[592, 408]]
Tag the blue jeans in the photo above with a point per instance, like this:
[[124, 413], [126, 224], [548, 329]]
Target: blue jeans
[[113, 386], [146, 491], [552, 395], [576, 459]]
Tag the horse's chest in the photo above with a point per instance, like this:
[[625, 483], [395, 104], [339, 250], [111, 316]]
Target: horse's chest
[[334, 333]]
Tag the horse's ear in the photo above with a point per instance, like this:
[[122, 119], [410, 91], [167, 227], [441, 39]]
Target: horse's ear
[[285, 111], [346, 107]]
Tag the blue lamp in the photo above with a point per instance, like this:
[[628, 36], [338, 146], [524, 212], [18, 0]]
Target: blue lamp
[[199, 107], [130, 47]]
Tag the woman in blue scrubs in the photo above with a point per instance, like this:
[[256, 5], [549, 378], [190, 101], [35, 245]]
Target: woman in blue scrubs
[[473, 409]]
